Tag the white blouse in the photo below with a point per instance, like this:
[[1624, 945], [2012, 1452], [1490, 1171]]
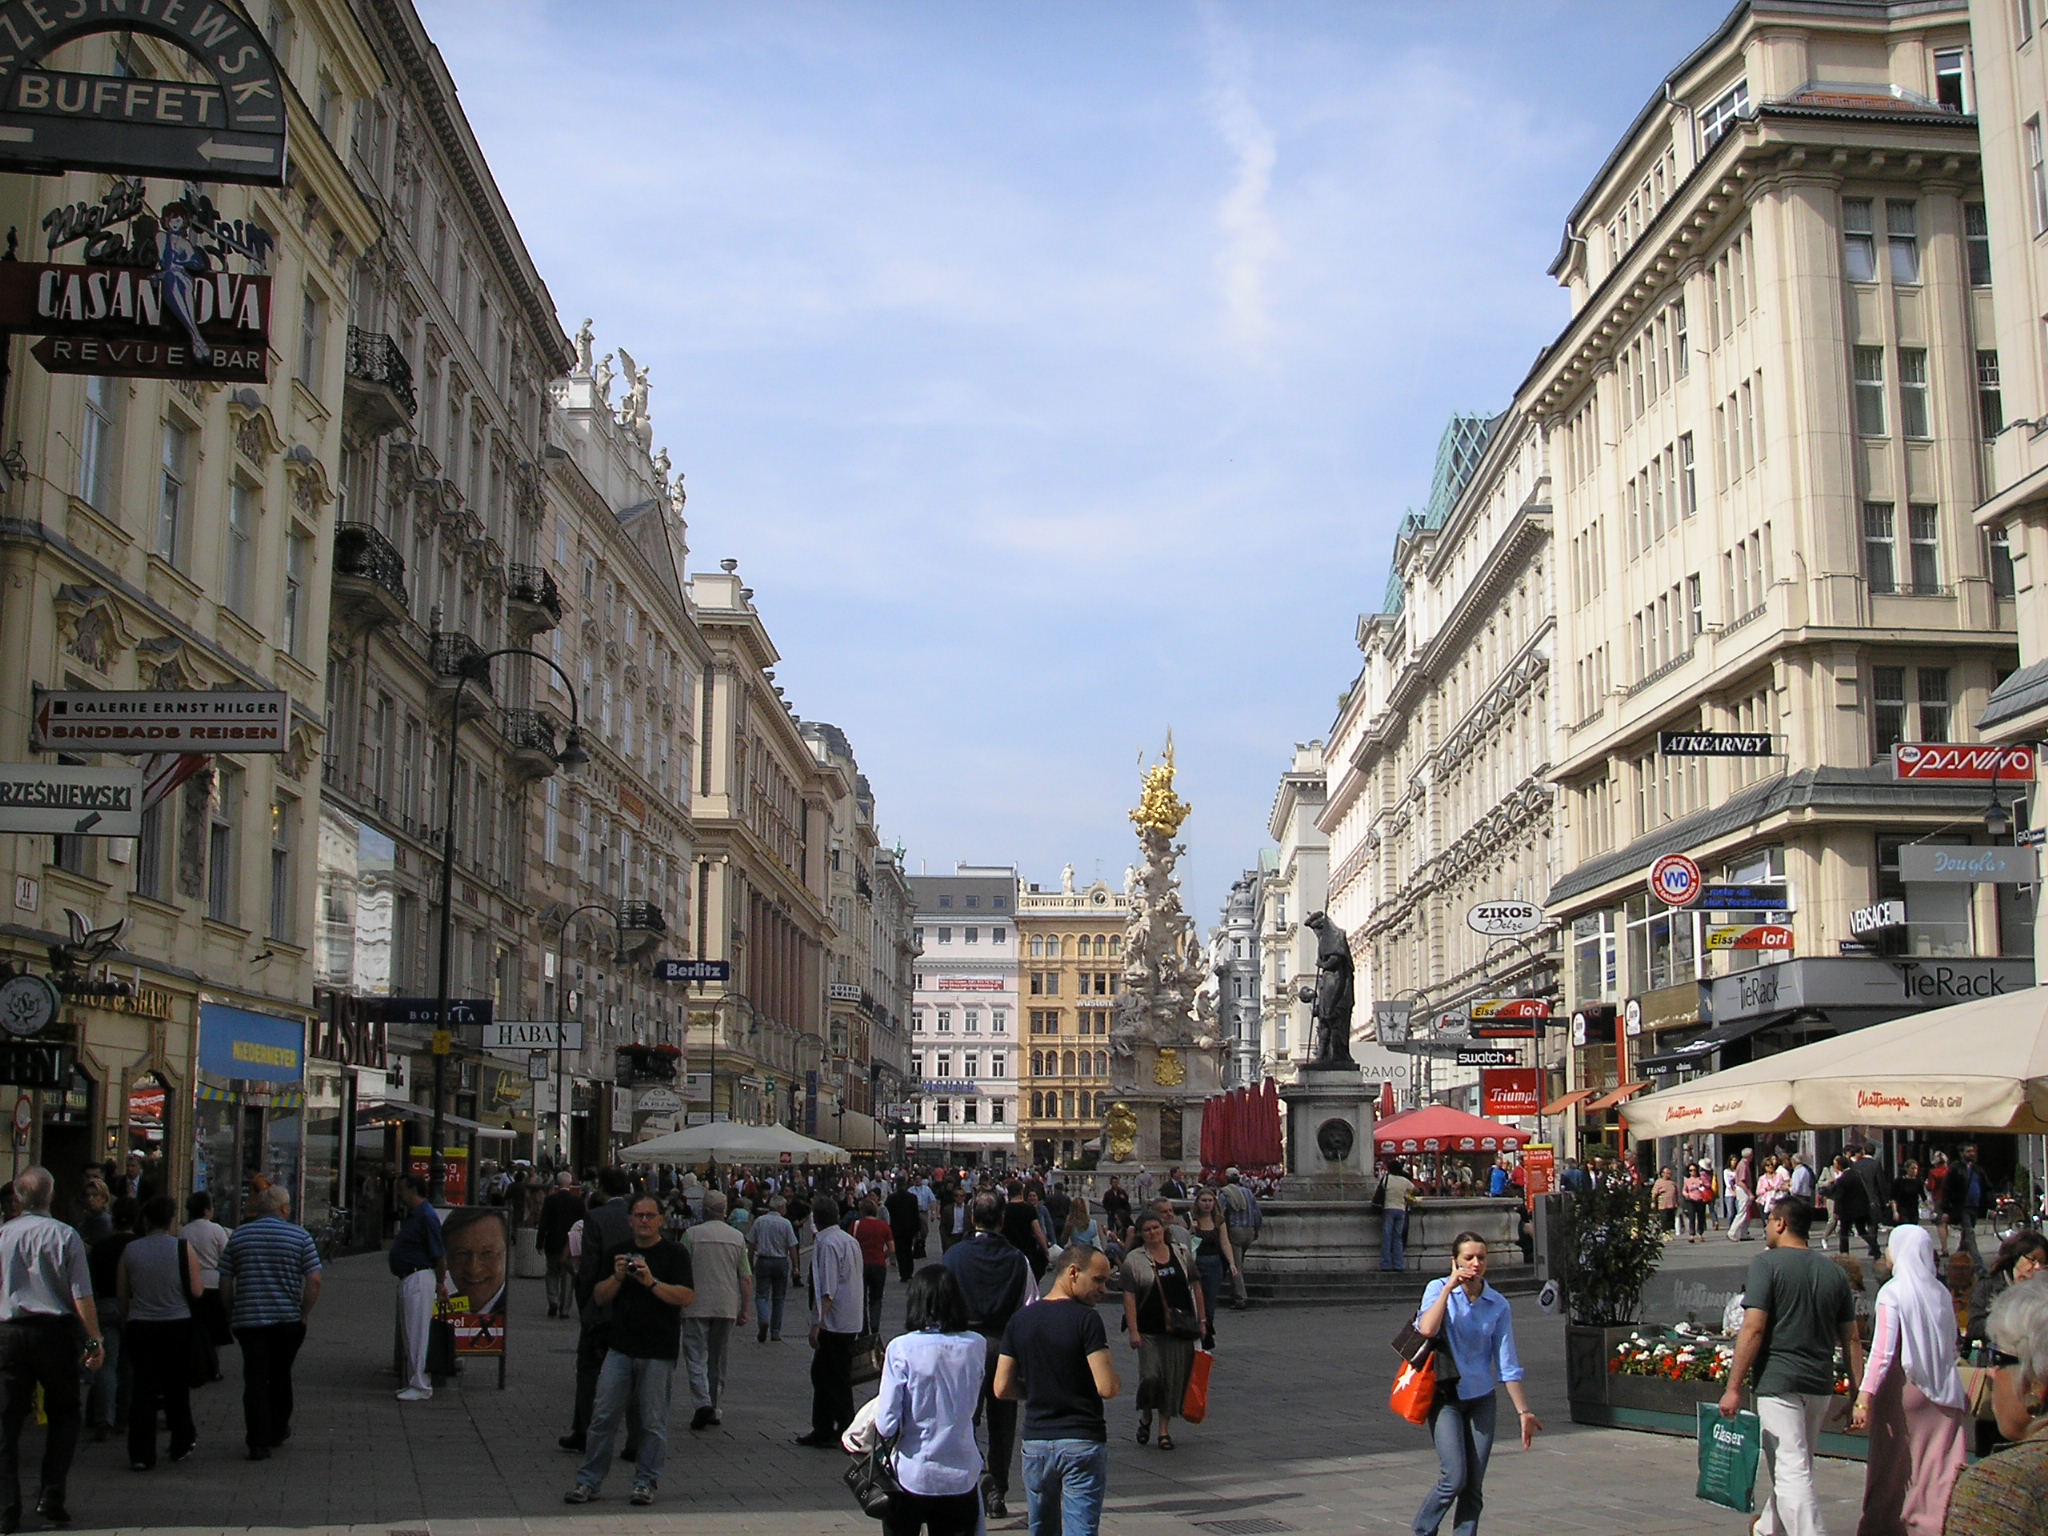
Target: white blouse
[[931, 1385]]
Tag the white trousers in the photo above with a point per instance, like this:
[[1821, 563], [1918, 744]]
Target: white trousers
[[1790, 1426], [416, 1313]]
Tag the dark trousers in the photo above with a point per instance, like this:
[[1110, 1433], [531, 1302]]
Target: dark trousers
[[952, 1514], [771, 1291], [1853, 1226], [38, 1353], [906, 1250], [160, 1355], [875, 1277], [832, 1383], [267, 1356], [210, 1318], [1001, 1416]]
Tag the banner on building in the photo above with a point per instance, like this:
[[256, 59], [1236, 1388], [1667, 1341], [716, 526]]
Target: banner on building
[[1509, 1092]]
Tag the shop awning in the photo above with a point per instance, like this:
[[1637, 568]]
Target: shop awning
[[391, 1110], [1565, 1101], [1696, 1050], [1625, 1091], [856, 1132]]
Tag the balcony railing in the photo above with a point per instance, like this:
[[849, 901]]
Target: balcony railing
[[535, 585], [375, 359], [362, 552], [454, 655], [642, 917], [528, 730]]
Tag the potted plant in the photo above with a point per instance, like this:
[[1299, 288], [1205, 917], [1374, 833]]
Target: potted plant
[[1609, 1242]]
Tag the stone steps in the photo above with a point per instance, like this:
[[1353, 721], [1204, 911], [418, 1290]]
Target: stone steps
[[1370, 1288]]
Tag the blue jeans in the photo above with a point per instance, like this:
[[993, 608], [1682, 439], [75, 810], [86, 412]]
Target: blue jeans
[[646, 1385], [771, 1290], [1064, 1482], [1393, 1239], [1463, 1432]]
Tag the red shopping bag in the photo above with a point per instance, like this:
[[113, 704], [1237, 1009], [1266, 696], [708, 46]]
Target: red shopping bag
[[1195, 1406], [1415, 1390]]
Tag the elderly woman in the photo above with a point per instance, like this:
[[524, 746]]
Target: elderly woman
[[1911, 1397], [2019, 1257], [2003, 1495]]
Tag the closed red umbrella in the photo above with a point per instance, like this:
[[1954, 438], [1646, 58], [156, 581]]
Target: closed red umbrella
[[1210, 1114], [1387, 1099], [1274, 1149]]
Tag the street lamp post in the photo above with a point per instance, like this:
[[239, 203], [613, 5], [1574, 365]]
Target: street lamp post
[[561, 944], [571, 757]]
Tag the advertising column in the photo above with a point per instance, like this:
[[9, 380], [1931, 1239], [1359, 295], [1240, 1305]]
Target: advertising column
[[248, 1119]]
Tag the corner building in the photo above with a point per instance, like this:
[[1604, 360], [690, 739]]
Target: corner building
[[965, 1040], [1768, 421], [1071, 960]]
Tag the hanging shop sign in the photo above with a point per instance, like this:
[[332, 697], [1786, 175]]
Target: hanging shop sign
[[533, 1035], [1505, 1092], [1675, 880], [28, 1006], [1534, 1008], [1504, 919], [692, 970], [842, 992], [70, 802], [160, 722], [234, 1042], [1717, 744], [427, 1010], [1489, 1056], [1971, 762], [1746, 898], [1751, 936], [658, 1101], [226, 125], [1877, 917], [34, 1064], [1944, 865]]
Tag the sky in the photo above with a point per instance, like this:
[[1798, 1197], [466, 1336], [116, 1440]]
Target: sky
[[1059, 372]]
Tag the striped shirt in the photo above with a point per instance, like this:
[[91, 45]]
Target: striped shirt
[[268, 1259]]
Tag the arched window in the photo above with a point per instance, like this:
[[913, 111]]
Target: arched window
[[1037, 1064], [1102, 1104], [1067, 1064], [1037, 946], [1052, 946], [1116, 945], [1037, 1105], [1101, 944], [1102, 1063]]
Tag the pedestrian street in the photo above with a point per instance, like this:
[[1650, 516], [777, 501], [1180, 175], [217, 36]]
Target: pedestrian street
[[1299, 1439]]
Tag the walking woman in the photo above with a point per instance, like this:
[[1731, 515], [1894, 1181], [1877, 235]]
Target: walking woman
[[931, 1390], [1472, 1320], [1742, 1187], [1911, 1397], [877, 1241], [1164, 1316], [1698, 1187], [157, 1278], [1213, 1255]]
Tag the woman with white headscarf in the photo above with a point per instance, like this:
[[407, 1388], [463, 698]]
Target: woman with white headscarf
[[1911, 1397]]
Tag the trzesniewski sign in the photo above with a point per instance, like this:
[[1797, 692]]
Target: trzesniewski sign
[[161, 722], [1716, 744], [226, 125], [70, 802]]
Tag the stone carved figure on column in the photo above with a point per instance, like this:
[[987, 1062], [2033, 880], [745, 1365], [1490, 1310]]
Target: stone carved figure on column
[[1331, 998], [604, 378], [585, 340]]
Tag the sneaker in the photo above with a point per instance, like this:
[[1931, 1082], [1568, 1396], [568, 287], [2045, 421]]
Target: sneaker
[[582, 1493], [186, 1453], [415, 1394], [643, 1494], [570, 1442], [701, 1418]]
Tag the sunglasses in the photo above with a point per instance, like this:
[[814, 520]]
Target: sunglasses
[[1999, 1357]]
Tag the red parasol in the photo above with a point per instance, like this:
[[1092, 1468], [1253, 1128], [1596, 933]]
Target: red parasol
[[1271, 1148], [1387, 1100], [1439, 1128]]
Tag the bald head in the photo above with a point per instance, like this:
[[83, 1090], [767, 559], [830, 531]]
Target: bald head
[[33, 1186]]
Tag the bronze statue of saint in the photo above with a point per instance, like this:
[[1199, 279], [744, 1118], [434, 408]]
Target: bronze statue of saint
[[1330, 1000]]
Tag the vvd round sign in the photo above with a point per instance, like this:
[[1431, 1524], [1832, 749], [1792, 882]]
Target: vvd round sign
[[1675, 880]]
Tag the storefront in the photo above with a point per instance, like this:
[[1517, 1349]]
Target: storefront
[[250, 1115]]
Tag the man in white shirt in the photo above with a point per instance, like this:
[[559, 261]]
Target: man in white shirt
[[45, 1303], [771, 1240], [724, 1281], [838, 1300]]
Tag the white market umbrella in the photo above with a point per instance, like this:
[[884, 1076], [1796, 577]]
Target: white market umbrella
[[725, 1142], [1976, 1066]]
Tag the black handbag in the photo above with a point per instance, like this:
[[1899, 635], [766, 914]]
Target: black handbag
[[873, 1480], [1182, 1324], [1415, 1346], [440, 1349], [1379, 1196], [867, 1360]]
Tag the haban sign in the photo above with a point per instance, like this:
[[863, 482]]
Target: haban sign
[[226, 125]]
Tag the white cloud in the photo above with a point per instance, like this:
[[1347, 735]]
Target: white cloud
[[1251, 239]]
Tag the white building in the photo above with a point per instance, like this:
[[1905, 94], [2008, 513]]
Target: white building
[[964, 1064], [1233, 979]]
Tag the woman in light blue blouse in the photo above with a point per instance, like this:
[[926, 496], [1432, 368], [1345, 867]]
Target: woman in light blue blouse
[[1469, 1319], [931, 1386]]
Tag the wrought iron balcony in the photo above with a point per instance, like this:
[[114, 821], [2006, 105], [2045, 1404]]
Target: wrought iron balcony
[[454, 656], [375, 360], [641, 917], [531, 736], [532, 587], [369, 574]]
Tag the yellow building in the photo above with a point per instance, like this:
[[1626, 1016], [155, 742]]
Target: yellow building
[[1070, 957]]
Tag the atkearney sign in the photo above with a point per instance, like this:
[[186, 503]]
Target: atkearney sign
[[1717, 744], [70, 802], [223, 721], [1951, 865]]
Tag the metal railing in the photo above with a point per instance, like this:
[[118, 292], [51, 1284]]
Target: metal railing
[[361, 551], [642, 917], [534, 584], [528, 730], [453, 654], [375, 359]]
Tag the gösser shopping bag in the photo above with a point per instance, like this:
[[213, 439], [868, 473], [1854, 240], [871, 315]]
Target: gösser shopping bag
[[1415, 1390], [1194, 1407], [1729, 1450]]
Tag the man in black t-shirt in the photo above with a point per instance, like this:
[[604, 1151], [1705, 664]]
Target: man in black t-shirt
[[646, 1286], [1055, 1359]]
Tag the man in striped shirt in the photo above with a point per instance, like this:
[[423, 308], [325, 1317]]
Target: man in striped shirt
[[269, 1280]]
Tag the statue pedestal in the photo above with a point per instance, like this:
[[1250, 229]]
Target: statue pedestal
[[1164, 1088], [1329, 1133]]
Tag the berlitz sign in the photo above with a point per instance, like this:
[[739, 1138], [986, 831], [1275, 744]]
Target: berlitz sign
[[224, 120], [1504, 919]]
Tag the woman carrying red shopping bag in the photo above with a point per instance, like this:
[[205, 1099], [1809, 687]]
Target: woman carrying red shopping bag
[[1472, 1322]]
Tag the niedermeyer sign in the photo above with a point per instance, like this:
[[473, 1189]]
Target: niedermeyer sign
[[113, 721], [1968, 762]]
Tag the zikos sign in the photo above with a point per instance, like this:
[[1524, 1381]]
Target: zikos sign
[[1968, 762]]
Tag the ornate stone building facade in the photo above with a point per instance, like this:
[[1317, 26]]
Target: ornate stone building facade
[[1071, 960], [967, 1030], [1293, 881]]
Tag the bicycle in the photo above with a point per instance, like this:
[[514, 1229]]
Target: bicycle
[[333, 1233]]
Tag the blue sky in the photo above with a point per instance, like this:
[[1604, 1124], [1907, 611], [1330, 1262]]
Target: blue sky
[[1058, 372]]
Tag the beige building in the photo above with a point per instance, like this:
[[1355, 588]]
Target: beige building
[[175, 536], [1768, 421], [1294, 881], [1439, 758], [1070, 960], [616, 836], [2008, 66], [439, 559]]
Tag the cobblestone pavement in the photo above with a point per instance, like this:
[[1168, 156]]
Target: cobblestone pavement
[[1298, 1439]]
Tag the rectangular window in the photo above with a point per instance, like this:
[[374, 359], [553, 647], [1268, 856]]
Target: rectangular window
[[945, 935], [149, 853], [1990, 397], [1859, 245], [1977, 244], [1722, 114], [1680, 346], [1998, 557], [973, 936], [1951, 79], [1923, 531], [1880, 547], [241, 551], [2023, 22], [96, 441], [220, 846], [1868, 363], [2037, 175], [1688, 478], [1902, 235], [298, 551], [1696, 607], [281, 832], [1932, 689], [1913, 413], [1887, 708], [312, 339], [171, 511]]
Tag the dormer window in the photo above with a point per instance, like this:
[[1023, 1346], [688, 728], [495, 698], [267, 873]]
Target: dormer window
[[1723, 113]]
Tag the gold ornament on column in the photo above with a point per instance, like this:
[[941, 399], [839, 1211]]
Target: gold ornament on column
[[1159, 809], [1122, 1126], [1169, 1071]]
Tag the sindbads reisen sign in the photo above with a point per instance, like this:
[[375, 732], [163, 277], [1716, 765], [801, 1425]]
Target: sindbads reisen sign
[[178, 721]]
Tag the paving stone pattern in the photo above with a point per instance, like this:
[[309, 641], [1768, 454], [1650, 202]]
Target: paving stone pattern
[[1298, 1439]]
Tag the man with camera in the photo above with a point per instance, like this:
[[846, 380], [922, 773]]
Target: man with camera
[[646, 1286]]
